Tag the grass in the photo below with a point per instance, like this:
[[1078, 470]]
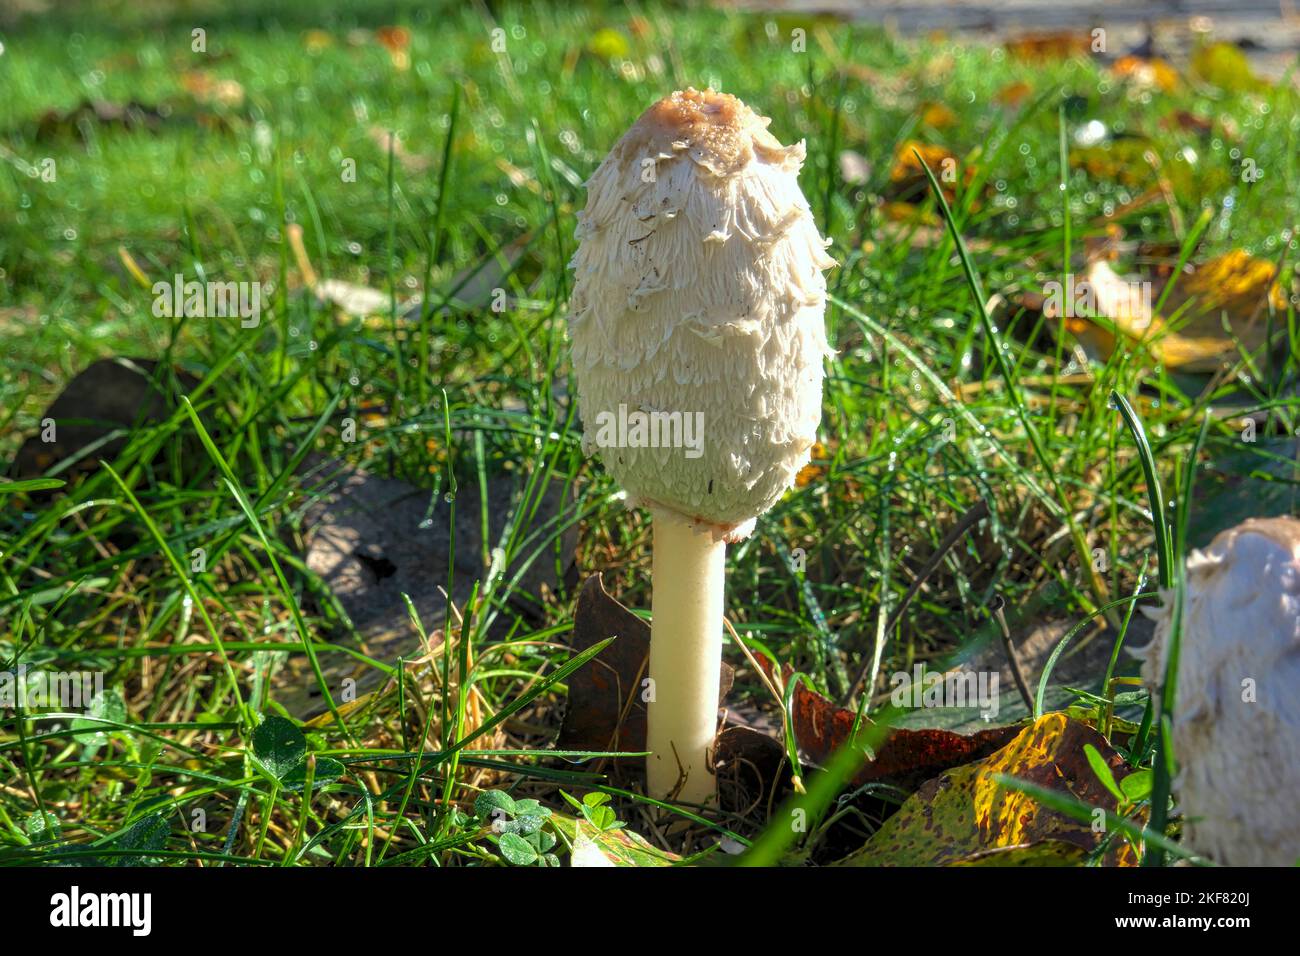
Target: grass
[[937, 395]]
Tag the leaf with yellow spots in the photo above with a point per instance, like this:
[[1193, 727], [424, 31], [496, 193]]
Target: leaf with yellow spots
[[965, 817], [1043, 853]]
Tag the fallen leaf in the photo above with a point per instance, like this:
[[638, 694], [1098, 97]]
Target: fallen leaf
[[1121, 160], [620, 847], [937, 116], [1041, 853], [1225, 66], [397, 41], [608, 44], [966, 817], [354, 299], [854, 168], [316, 41], [813, 470], [907, 181], [752, 770], [904, 757], [1013, 94], [213, 91], [372, 539], [1153, 73], [110, 395], [1235, 285], [475, 286], [605, 710], [1262, 480], [80, 119], [1050, 46]]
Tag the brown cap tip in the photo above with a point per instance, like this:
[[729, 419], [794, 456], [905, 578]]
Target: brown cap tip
[[722, 132]]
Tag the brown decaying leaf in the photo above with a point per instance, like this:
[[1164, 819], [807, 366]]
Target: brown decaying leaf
[[361, 542], [752, 771], [904, 758], [80, 120], [1013, 94], [605, 710], [1052, 47]]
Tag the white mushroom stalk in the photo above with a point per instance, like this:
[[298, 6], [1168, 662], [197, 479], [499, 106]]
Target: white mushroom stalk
[[1236, 726], [697, 342]]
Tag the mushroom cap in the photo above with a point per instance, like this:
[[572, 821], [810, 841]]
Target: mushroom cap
[[1236, 726], [699, 293]]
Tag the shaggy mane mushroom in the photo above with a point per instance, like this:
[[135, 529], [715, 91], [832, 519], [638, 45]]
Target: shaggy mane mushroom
[[1236, 726], [698, 306]]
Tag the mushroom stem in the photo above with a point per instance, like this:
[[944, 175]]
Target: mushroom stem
[[688, 568]]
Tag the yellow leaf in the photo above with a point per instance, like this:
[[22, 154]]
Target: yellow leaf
[[1236, 287], [937, 116], [811, 471], [609, 44], [1154, 73], [316, 40], [906, 165], [1225, 66]]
